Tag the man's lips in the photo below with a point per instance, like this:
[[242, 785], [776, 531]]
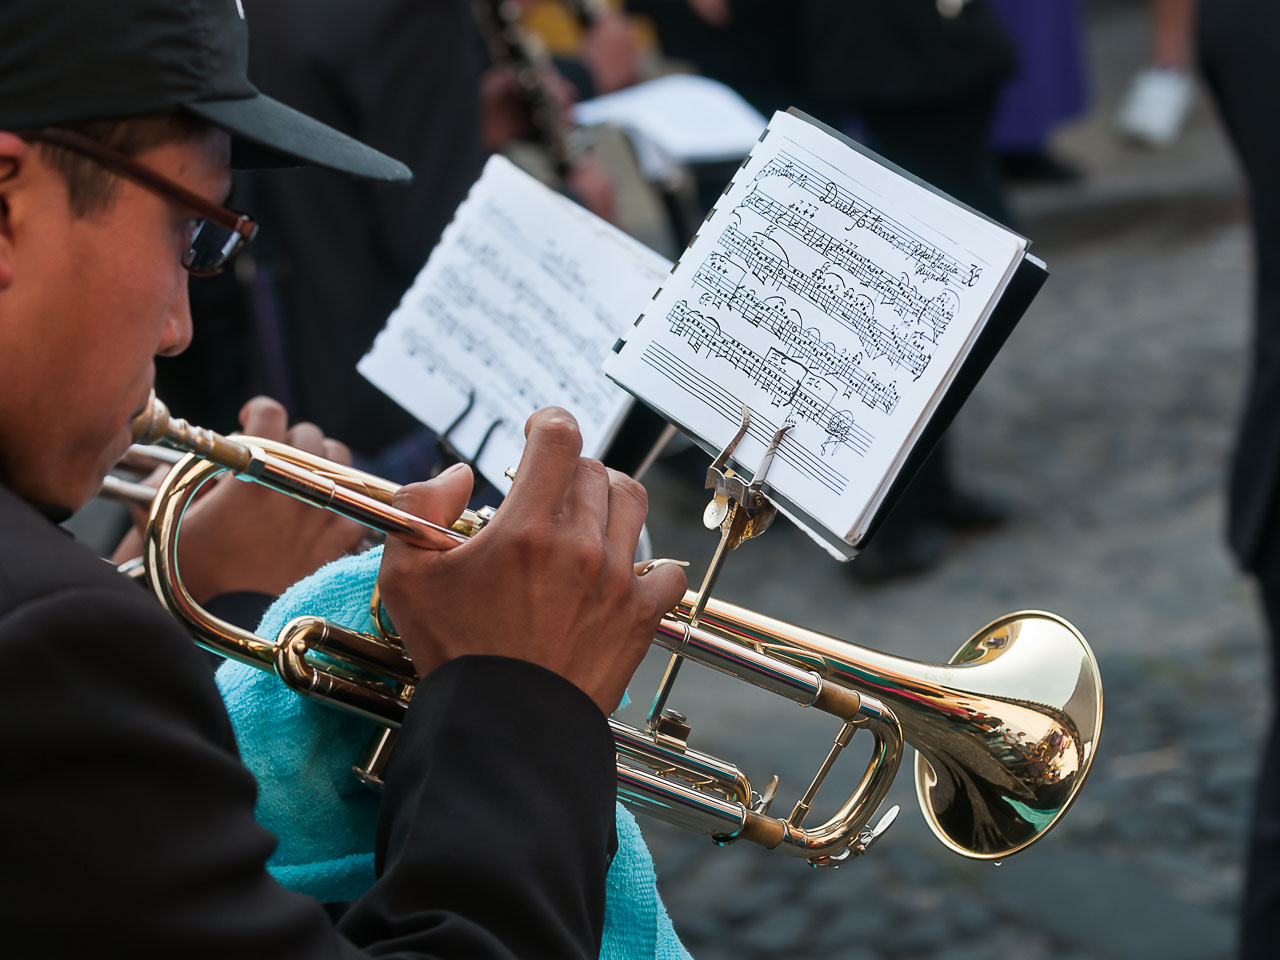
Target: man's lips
[[146, 402], [142, 408]]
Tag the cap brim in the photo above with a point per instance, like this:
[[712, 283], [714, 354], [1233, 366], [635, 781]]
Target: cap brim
[[269, 134]]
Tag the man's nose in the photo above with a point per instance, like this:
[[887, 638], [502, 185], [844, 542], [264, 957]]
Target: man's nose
[[178, 327]]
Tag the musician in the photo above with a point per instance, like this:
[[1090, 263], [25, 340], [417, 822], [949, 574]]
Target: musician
[[127, 818]]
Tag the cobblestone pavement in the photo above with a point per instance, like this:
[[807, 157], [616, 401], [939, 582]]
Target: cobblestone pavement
[[1106, 422]]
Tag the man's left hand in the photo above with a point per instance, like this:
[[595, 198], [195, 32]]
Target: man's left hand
[[244, 537]]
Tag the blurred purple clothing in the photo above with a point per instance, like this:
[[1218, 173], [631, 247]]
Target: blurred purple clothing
[[1050, 86]]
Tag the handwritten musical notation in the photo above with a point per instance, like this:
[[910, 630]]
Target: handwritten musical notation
[[764, 423], [788, 381], [805, 345], [797, 220], [827, 291], [515, 310], [930, 261]]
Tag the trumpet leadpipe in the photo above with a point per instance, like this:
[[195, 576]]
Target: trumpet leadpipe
[[143, 458], [369, 505], [131, 494]]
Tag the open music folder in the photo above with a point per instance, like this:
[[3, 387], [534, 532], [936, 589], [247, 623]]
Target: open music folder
[[832, 290], [516, 309]]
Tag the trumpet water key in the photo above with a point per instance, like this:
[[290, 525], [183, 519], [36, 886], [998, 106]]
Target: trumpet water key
[[1005, 733]]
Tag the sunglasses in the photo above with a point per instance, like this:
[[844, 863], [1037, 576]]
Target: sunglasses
[[219, 233]]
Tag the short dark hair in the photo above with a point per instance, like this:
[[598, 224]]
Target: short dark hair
[[91, 188]]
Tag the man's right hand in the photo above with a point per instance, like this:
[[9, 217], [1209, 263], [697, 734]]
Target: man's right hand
[[551, 579]]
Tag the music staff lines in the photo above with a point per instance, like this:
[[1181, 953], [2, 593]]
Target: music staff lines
[[801, 344], [493, 262], [687, 378], [930, 261], [911, 351], [466, 298], [787, 382], [906, 299]]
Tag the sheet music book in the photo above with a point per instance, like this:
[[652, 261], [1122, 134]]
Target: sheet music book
[[831, 290], [680, 118], [519, 302]]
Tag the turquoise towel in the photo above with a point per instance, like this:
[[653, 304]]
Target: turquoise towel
[[301, 753]]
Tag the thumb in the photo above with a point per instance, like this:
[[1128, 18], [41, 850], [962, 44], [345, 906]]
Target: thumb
[[440, 500], [664, 583]]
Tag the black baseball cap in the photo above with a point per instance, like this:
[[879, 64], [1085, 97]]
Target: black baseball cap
[[68, 61]]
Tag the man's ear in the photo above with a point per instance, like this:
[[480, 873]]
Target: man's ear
[[14, 155]]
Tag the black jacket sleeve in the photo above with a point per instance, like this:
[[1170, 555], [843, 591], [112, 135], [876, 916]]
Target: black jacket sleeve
[[127, 819], [510, 860]]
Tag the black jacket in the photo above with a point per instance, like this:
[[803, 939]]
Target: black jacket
[[126, 818], [836, 57], [901, 54], [1237, 47]]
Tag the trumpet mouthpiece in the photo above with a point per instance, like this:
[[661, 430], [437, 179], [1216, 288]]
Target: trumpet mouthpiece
[[152, 423]]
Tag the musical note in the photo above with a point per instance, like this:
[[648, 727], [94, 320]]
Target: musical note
[[906, 298], [802, 344], [689, 380], [907, 349]]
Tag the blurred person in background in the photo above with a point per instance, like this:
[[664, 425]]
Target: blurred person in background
[[1159, 98], [595, 45], [1238, 55], [923, 95], [751, 46], [404, 76], [1049, 88]]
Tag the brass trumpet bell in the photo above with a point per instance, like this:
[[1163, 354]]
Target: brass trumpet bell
[[1005, 733], [994, 781]]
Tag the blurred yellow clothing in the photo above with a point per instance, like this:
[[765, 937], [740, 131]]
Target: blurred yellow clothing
[[555, 24]]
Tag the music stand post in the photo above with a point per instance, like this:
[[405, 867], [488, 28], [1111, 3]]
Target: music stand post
[[742, 512]]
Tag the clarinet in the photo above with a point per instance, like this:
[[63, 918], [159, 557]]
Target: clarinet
[[511, 44]]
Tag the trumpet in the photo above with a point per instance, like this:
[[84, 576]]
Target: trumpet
[[1005, 733]]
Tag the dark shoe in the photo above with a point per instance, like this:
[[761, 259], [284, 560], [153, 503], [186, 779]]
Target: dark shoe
[[916, 550], [1036, 166], [967, 512]]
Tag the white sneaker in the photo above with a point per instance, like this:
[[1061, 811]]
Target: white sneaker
[[1156, 106]]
